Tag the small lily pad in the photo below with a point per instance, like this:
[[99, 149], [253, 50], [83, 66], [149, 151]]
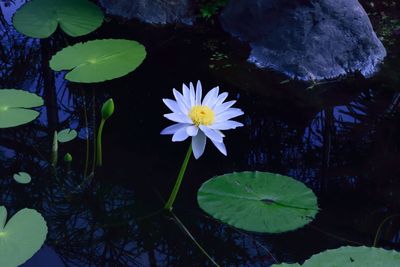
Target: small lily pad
[[22, 236], [351, 257], [40, 18], [22, 178], [66, 135], [258, 201], [15, 107], [99, 60]]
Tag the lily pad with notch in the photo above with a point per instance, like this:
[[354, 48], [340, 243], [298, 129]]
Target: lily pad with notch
[[66, 135], [16, 107], [40, 18], [22, 236], [351, 257], [99, 60], [258, 201], [22, 178]]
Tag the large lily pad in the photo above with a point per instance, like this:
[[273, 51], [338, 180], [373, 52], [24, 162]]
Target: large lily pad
[[40, 18], [351, 257], [21, 237], [258, 201], [99, 60], [15, 107]]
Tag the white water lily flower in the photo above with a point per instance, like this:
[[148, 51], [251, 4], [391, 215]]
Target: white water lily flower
[[201, 118]]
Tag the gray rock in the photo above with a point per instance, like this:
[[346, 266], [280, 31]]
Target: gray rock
[[306, 39], [151, 11]]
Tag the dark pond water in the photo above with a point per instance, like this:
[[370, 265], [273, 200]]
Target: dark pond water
[[341, 138]]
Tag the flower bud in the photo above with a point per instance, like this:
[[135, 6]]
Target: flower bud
[[108, 109], [68, 157]]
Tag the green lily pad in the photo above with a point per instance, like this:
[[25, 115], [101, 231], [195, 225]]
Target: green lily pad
[[66, 135], [99, 60], [22, 178], [351, 257], [40, 18], [258, 201], [22, 236], [15, 107]]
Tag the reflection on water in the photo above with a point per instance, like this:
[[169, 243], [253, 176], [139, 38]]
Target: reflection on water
[[340, 138]]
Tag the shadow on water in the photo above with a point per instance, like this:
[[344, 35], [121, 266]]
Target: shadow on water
[[340, 138]]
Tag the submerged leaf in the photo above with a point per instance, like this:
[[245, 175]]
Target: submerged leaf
[[66, 135], [15, 107], [40, 18], [258, 201], [351, 257], [22, 236], [99, 60], [22, 178]]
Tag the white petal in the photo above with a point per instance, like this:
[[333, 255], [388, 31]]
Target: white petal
[[228, 114], [173, 128], [220, 133], [211, 97], [220, 99], [180, 135], [192, 130], [184, 106], [210, 133], [226, 125], [172, 105], [222, 107], [199, 93], [177, 117], [192, 95], [221, 147], [199, 144], [186, 93]]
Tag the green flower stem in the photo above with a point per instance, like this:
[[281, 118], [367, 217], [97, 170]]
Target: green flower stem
[[174, 193], [54, 150], [99, 154]]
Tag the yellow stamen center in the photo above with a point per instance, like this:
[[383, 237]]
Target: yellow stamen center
[[202, 115]]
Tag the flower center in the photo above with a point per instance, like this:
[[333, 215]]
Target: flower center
[[202, 115]]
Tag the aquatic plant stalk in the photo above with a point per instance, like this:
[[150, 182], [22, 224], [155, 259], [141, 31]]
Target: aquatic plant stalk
[[174, 193], [186, 231], [378, 232], [94, 131], [99, 153], [54, 150], [85, 173]]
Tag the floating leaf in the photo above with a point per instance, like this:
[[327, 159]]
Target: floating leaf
[[351, 257], [66, 135], [258, 201], [22, 178], [15, 107], [40, 18], [99, 60], [21, 237]]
